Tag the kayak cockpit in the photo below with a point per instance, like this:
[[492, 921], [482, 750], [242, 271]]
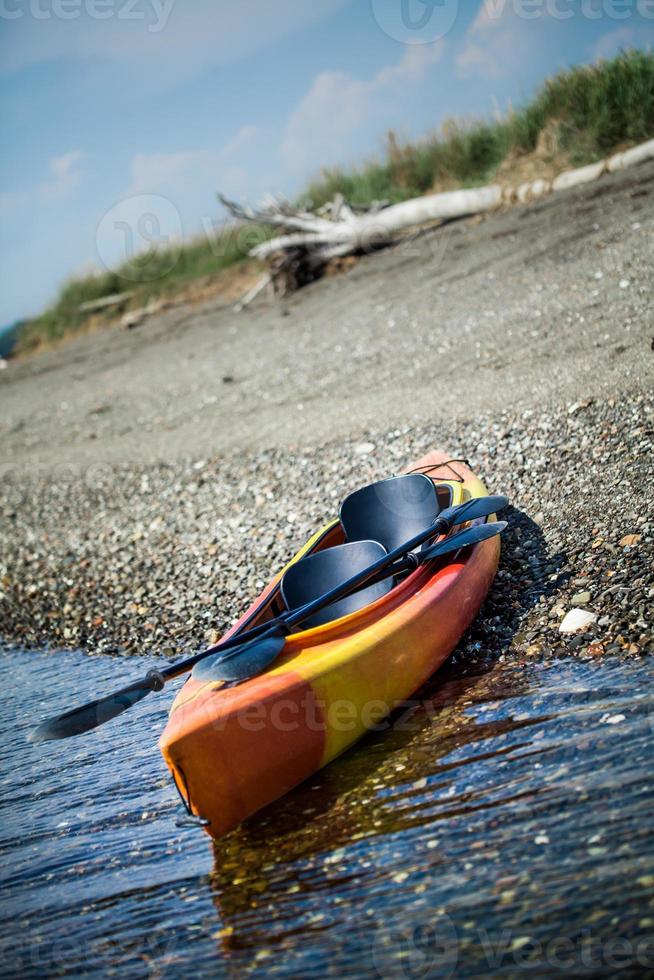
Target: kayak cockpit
[[372, 521]]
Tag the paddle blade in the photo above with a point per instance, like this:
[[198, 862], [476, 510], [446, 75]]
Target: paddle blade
[[473, 535], [472, 510], [243, 661], [96, 713]]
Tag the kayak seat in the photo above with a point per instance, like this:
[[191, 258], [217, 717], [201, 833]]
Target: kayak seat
[[390, 511], [322, 571]]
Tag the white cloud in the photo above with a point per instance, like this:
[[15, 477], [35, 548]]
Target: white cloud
[[492, 12], [168, 173], [155, 173], [474, 59], [242, 140], [497, 40], [506, 36], [167, 39], [321, 128], [622, 37], [62, 178], [323, 121]]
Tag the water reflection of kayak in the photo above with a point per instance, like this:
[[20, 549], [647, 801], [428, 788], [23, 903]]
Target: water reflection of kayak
[[411, 780], [234, 750]]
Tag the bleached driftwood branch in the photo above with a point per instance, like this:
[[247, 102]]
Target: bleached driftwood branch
[[277, 213], [309, 241], [252, 293], [359, 232], [532, 189], [105, 302]]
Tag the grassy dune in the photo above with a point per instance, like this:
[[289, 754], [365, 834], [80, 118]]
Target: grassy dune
[[577, 116], [587, 112], [147, 275]]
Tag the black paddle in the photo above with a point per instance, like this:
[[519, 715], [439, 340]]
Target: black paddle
[[275, 631], [473, 535], [258, 653], [96, 713]]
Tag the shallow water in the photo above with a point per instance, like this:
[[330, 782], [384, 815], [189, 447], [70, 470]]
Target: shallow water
[[503, 826]]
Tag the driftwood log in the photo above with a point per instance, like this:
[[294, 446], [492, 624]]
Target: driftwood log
[[308, 241]]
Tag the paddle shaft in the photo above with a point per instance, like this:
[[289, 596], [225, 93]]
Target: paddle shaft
[[442, 524], [380, 570], [79, 720], [292, 618], [377, 572]]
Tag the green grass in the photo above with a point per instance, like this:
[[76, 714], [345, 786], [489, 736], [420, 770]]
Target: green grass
[[148, 275], [591, 109]]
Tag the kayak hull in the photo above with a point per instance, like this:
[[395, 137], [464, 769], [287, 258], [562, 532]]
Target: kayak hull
[[234, 750]]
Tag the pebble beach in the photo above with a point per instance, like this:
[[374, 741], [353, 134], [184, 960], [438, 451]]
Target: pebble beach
[[144, 517], [163, 558]]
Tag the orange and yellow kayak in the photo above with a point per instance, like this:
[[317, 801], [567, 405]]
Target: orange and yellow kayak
[[234, 750]]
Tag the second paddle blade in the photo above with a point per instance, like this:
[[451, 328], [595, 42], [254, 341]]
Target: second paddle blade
[[473, 509], [242, 662], [473, 535]]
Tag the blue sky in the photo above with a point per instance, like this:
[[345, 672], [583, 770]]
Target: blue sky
[[113, 108]]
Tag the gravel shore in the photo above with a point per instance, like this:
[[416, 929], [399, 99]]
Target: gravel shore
[[165, 557], [153, 481]]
